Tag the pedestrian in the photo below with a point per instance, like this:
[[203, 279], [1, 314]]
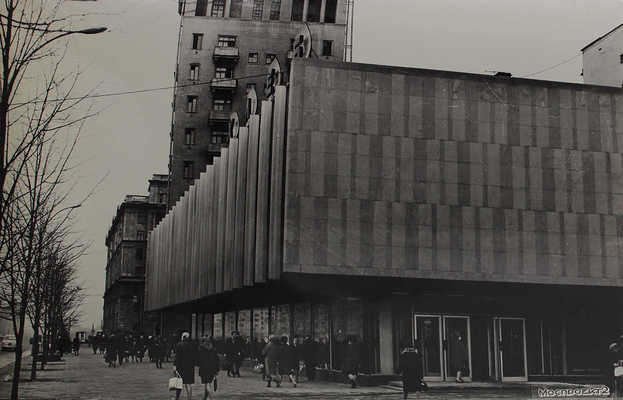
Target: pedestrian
[[350, 359], [410, 366], [271, 354], [157, 349], [288, 360], [76, 345], [208, 365], [458, 355], [185, 360], [323, 353], [309, 354]]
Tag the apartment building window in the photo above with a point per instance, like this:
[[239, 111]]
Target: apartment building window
[[327, 48], [275, 9], [218, 8], [621, 59], [140, 253], [197, 41], [222, 105], [297, 10], [189, 136], [235, 9], [329, 11], [222, 73], [226, 41], [313, 10], [258, 7], [191, 104], [201, 8], [194, 72], [162, 198], [188, 170], [219, 138], [142, 218], [270, 57], [253, 57], [140, 235]]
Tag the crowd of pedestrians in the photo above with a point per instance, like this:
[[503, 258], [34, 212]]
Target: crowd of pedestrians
[[279, 359]]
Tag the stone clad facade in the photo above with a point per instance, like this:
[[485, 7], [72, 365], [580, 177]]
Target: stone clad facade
[[408, 206]]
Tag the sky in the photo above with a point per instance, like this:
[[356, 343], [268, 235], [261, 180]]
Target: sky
[[128, 140]]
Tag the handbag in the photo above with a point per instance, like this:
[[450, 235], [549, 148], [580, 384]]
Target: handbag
[[176, 382]]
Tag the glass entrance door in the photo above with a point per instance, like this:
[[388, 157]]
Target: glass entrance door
[[512, 349], [457, 347], [428, 333]]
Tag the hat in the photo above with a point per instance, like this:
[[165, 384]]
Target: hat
[[185, 335]]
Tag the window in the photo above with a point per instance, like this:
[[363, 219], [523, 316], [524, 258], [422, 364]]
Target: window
[[188, 169], [235, 9], [222, 73], [191, 106], [226, 41], [197, 41], [330, 11], [327, 47], [142, 218], [621, 59], [163, 198], [313, 11], [253, 58], [201, 8], [297, 10], [218, 8], [189, 136], [258, 7], [140, 253], [275, 9], [217, 138], [222, 105], [194, 72], [270, 57], [140, 235]]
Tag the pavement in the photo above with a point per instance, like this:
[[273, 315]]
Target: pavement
[[87, 377]]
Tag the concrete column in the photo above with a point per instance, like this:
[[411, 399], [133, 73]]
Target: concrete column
[[386, 346], [305, 8], [323, 7]]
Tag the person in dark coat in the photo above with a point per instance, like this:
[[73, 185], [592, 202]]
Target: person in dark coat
[[309, 354], [185, 360], [208, 365], [234, 349], [272, 354], [410, 366], [351, 359], [288, 360], [158, 350]]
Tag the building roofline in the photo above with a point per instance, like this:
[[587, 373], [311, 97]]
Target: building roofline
[[601, 37], [452, 74]]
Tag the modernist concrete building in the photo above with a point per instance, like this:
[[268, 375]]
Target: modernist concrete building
[[602, 59], [478, 215], [223, 51], [125, 266]]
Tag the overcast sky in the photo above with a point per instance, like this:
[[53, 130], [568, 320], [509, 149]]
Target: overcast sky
[[129, 139]]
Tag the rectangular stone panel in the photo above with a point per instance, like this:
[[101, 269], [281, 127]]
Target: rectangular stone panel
[[263, 194]]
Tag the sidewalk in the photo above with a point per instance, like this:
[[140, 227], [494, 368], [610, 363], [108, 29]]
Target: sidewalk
[[87, 377]]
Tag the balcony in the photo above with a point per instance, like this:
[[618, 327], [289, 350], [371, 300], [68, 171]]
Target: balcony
[[214, 150], [224, 85], [226, 54], [219, 119]]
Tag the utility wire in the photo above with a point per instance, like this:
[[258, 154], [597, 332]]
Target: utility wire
[[553, 66], [138, 91]]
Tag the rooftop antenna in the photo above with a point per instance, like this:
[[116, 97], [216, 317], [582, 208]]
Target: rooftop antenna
[[348, 33]]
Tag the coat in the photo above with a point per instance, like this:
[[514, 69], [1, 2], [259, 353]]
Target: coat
[[272, 354], [185, 360], [208, 362], [410, 367], [351, 360], [288, 359]]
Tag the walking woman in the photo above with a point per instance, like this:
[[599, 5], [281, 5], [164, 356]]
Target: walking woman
[[272, 354], [208, 365], [185, 360]]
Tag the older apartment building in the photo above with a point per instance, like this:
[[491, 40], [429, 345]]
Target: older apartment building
[[224, 49], [125, 266], [602, 59]]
